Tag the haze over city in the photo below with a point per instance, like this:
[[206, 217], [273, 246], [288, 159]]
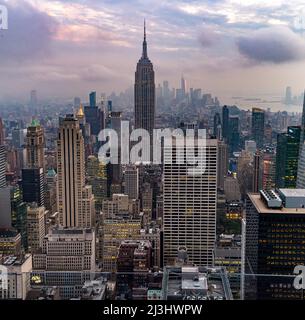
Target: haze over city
[[227, 47]]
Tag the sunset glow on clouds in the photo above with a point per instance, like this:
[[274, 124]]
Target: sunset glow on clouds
[[67, 48]]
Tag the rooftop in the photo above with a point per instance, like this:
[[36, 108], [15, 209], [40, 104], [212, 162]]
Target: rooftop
[[293, 192], [8, 233], [261, 206], [195, 283], [14, 260]]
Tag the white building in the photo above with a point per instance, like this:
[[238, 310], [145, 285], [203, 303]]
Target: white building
[[16, 272], [66, 260], [189, 206]]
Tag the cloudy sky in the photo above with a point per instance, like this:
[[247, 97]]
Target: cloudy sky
[[228, 47]]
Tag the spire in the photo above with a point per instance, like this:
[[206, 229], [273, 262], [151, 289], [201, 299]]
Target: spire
[[144, 53], [80, 112]]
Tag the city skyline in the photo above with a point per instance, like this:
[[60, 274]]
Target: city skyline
[[190, 191], [76, 45]]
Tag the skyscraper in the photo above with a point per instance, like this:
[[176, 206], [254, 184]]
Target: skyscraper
[[223, 163], [183, 86], [303, 122], [97, 178], [273, 241], [2, 166], [189, 208], [33, 185], [131, 179], [258, 126], [35, 226], [1, 133], [18, 214], [287, 152], [94, 115], [288, 95], [301, 169], [74, 199], [144, 92], [217, 126], [257, 181], [301, 162], [35, 145], [92, 99], [233, 133], [225, 123]]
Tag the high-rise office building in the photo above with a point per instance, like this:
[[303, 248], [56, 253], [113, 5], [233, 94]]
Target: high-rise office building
[[189, 206], [217, 126], [92, 99], [144, 92], [1, 133], [287, 152], [147, 202], [273, 244], [301, 169], [33, 185], [225, 123], [19, 214], [269, 170], [5, 208], [35, 145], [131, 179], [115, 169], [75, 200], [303, 122], [94, 115], [50, 192], [97, 178], [77, 102], [233, 136], [301, 162], [257, 181], [183, 87], [33, 173], [288, 95], [258, 126], [223, 163], [2, 166], [35, 226]]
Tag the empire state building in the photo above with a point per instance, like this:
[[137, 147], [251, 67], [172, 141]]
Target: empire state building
[[144, 92]]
